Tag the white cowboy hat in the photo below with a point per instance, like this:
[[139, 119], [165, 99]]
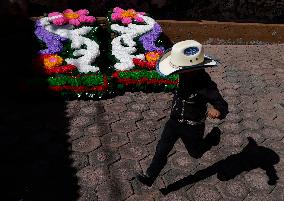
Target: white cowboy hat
[[184, 56]]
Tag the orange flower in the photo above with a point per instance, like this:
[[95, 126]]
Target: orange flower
[[52, 60], [152, 56]]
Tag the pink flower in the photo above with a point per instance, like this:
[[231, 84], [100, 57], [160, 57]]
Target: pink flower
[[115, 16], [118, 10], [126, 16], [126, 20], [71, 17], [139, 19]]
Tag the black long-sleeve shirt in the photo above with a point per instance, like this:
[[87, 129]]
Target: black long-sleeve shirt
[[193, 94]]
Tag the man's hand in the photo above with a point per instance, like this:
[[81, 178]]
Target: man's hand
[[212, 113]]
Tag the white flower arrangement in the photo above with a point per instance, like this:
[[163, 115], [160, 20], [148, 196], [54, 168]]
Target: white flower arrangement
[[124, 54], [86, 56]]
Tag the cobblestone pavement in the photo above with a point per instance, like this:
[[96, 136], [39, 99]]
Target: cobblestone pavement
[[110, 140], [118, 136]]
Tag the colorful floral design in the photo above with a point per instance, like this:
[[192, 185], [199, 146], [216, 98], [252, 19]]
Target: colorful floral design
[[51, 61], [70, 17], [153, 56], [52, 41], [126, 16], [148, 40]]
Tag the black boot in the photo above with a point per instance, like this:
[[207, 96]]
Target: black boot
[[213, 138], [145, 179]]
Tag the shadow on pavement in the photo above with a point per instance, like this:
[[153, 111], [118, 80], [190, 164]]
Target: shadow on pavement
[[251, 157], [34, 148]]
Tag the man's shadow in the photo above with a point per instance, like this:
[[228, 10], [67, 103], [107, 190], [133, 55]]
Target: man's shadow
[[251, 157]]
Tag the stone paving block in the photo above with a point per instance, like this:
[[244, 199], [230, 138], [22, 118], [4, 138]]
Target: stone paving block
[[75, 133], [141, 189], [87, 194], [79, 160], [123, 126], [103, 156], [107, 101], [108, 191], [256, 135], [163, 96], [92, 109], [210, 157], [229, 92], [114, 190], [174, 196], [249, 115], [233, 117], [133, 151], [145, 97], [174, 175], [259, 197], [71, 111], [86, 144], [106, 118], [153, 114], [97, 129], [231, 140], [114, 140], [183, 161], [144, 197], [137, 106], [148, 124], [272, 133], [131, 115], [248, 106], [278, 193], [124, 169], [235, 109], [276, 146], [233, 189], [141, 136], [231, 128], [115, 108], [157, 104], [257, 181], [79, 121], [122, 99], [92, 176], [204, 193]]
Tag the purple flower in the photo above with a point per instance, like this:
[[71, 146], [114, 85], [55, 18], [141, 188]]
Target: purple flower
[[52, 41], [148, 40]]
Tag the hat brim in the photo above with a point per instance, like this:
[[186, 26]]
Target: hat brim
[[164, 68]]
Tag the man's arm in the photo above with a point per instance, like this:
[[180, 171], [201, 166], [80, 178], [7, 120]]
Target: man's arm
[[214, 97]]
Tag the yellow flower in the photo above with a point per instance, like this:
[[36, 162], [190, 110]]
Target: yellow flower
[[52, 60]]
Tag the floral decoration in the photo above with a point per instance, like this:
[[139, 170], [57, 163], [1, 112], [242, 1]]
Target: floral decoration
[[126, 16], [148, 40], [53, 42], [68, 16], [70, 56], [51, 61]]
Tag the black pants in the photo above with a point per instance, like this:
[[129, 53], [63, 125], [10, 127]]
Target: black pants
[[192, 137]]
